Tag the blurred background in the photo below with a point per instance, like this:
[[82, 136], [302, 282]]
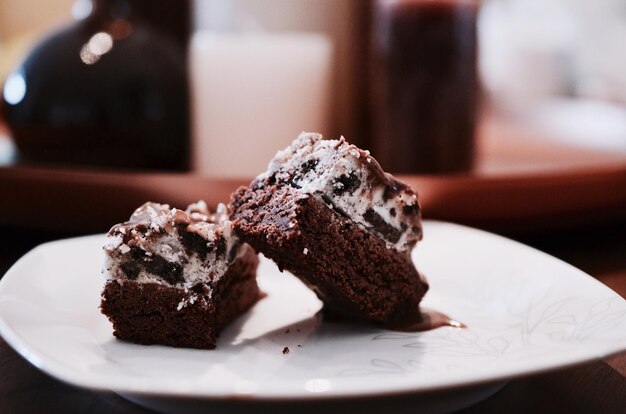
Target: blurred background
[[518, 105], [530, 49]]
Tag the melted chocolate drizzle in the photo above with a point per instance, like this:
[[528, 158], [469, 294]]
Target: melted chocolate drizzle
[[420, 321], [424, 320]]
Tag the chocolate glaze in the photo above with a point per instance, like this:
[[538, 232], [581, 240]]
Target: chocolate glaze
[[392, 186], [420, 321], [424, 320]]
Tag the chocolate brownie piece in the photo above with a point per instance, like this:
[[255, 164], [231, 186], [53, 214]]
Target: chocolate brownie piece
[[326, 211], [176, 277]]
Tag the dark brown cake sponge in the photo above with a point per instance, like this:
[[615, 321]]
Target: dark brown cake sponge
[[350, 269]]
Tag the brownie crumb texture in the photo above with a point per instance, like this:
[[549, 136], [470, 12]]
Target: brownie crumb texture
[[323, 212], [176, 277]]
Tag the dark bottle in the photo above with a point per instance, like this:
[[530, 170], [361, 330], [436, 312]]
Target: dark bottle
[[425, 84], [111, 90]]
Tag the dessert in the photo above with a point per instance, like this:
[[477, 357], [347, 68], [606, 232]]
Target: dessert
[[327, 212], [176, 277]]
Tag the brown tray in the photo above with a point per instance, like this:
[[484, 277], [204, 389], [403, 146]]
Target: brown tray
[[522, 183]]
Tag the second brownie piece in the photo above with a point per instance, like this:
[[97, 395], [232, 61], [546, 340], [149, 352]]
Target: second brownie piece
[[326, 212]]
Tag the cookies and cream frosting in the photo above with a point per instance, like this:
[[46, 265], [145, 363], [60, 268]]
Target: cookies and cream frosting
[[348, 180]]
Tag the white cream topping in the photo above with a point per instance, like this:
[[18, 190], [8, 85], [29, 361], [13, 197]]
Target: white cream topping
[[155, 232], [336, 171]]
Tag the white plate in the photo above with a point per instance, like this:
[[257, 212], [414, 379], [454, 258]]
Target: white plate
[[525, 311]]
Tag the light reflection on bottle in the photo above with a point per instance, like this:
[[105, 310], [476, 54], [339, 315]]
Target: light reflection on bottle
[[15, 88], [98, 45], [82, 9]]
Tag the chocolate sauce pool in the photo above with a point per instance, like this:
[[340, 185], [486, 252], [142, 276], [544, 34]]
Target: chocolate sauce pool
[[422, 320], [425, 320]]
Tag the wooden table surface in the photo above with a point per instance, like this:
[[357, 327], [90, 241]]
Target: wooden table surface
[[596, 387]]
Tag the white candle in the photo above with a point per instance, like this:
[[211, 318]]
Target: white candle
[[252, 94]]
